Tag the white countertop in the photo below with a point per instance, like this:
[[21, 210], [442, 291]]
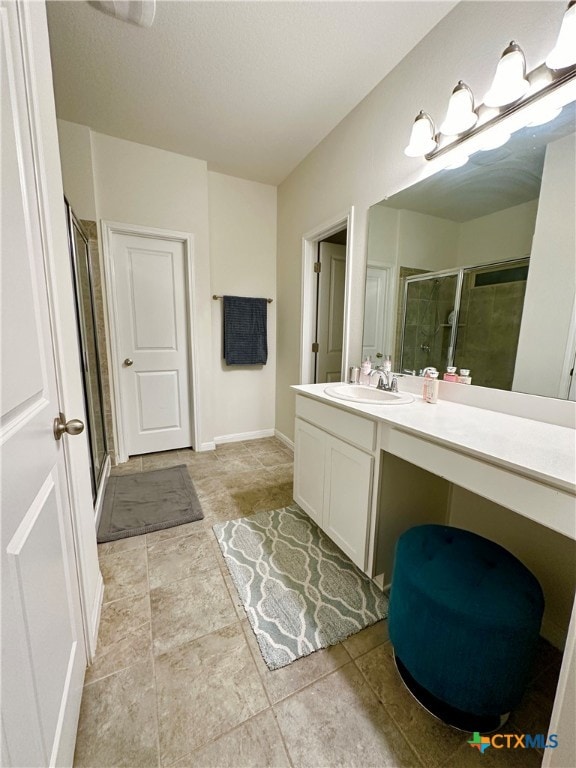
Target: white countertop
[[544, 452]]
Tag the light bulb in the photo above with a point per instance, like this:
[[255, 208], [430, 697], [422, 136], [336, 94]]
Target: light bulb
[[564, 52], [422, 139], [509, 82], [460, 116]]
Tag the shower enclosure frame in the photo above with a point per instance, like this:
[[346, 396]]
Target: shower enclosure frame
[[96, 474], [459, 273]]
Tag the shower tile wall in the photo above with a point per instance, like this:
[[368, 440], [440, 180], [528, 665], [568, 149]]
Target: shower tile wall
[[91, 230], [427, 330], [489, 323]]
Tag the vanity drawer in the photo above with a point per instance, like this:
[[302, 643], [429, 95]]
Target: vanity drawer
[[347, 426]]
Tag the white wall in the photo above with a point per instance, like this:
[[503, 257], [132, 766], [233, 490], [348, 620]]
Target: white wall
[[551, 278], [499, 236], [234, 227], [426, 242], [243, 262], [77, 171], [362, 160], [383, 235]]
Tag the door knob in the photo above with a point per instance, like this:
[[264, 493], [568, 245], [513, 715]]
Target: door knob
[[72, 427], [128, 361]]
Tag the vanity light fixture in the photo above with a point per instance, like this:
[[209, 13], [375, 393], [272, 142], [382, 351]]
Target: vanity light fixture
[[460, 116], [422, 139], [515, 99], [509, 82], [564, 52]]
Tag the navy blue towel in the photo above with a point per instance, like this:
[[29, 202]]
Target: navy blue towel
[[245, 331]]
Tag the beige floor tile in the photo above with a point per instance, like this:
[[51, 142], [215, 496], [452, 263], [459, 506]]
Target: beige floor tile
[[205, 688], [210, 485], [240, 462], [255, 744], [129, 467], [124, 637], [224, 506], [161, 460], [367, 639], [118, 724], [233, 592], [338, 722], [125, 574], [280, 683], [276, 458], [173, 533], [121, 545], [433, 741], [247, 481], [283, 473], [231, 449], [180, 557], [187, 609], [264, 445]]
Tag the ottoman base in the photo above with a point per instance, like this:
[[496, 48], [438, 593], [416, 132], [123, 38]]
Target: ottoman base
[[463, 721]]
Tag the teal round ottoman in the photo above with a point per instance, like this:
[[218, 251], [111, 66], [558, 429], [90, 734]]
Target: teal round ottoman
[[464, 621]]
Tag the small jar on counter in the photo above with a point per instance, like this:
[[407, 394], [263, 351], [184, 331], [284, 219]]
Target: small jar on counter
[[450, 374], [464, 377]]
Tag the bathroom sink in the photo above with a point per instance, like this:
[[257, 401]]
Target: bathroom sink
[[358, 393]]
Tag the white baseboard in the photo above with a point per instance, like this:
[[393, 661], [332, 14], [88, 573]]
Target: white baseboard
[[101, 490], [206, 447], [286, 440], [240, 436]]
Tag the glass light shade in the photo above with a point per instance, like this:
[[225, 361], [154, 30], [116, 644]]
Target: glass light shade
[[422, 139], [540, 115], [564, 52], [493, 138], [509, 82], [458, 158], [460, 116]]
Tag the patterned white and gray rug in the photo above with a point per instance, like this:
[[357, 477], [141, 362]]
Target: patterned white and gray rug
[[300, 591]]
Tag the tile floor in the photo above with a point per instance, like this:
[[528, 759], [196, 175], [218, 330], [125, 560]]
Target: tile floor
[[178, 679]]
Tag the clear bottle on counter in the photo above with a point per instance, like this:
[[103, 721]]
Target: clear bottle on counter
[[365, 369], [450, 374], [431, 385], [465, 377]]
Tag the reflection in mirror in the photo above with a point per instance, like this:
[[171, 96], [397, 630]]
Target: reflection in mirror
[[481, 262]]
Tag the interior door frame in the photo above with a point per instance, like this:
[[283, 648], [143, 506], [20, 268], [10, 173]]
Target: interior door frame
[[108, 230], [310, 242]]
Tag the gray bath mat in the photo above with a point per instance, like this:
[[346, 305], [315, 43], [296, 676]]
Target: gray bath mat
[[148, 501], [299, 590]]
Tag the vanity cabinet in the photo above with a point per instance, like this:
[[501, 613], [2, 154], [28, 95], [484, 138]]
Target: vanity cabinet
[[334, 472]]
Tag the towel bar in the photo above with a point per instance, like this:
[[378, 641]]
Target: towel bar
[[214, 296]]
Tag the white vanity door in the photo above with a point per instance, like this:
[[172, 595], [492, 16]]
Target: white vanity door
[[347, 498], [309, 461]]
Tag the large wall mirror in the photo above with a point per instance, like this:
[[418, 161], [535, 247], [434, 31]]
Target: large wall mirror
[[476, 267]]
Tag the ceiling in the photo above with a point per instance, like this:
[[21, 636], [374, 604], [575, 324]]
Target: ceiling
[[250, 87]]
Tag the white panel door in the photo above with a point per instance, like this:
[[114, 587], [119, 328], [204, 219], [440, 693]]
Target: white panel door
[[43, 651], [374, 313], [153, 346], [331, 312]]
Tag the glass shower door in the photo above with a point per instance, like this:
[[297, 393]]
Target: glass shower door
[[88, 348], [429, 329]]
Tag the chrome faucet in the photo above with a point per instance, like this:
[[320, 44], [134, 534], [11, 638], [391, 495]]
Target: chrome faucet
[[386, 380]]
